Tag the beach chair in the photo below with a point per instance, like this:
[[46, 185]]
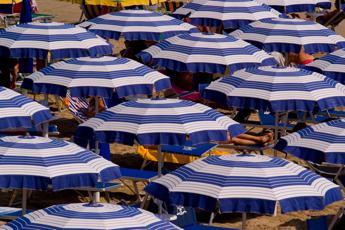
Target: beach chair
[[336, 222], [137, 176], [169, 6], [267, 121], [334, 172], [187, 220]]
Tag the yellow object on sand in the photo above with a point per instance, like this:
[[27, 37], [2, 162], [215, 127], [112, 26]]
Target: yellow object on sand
[[9, 1], [151, 155]]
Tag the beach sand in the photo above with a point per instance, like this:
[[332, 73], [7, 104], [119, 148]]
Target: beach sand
[[125, 156]]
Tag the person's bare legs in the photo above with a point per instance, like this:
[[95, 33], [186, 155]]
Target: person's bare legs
[[249, 139]]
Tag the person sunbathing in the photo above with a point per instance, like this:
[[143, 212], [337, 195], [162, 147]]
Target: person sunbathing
[[251, 138]]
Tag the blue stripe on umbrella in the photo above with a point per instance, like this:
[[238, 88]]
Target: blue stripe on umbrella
[[137, 25], [293, 7], [95, 216], [277, 89], [211, 53], [76, 74], [323, 142], [36, 162], [330, 65], [57, 39], [270, 35], [157, 122], [226, 12], [245, 183], [18, 111]]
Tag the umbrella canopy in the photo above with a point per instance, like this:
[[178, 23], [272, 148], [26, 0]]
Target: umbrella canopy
[[36, 40], [293, 6], [319, 143], [290, 35], [29, 162], [158, 122], [245, 183], [90, 216], [107, 74], [202, 52], [18, 111], [277, 89], [331, 65], [137, 25], [229, 13]]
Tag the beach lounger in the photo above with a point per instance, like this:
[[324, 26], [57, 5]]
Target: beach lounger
[[188, 221], [189, 149], [10, 212], [336, 222], [334, 172], [12, 19], [248, 148], [267, 121], [137, 175]]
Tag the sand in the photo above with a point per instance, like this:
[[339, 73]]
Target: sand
[[125, 156]]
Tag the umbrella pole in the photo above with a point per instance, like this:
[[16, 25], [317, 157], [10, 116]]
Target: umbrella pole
[[276, 130], [24, 200], [244, 220], [96, 111], [160, 160], [45, 127]]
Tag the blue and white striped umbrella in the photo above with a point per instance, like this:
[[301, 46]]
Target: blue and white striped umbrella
[[277, 89], [245, 183], [229, 13], [137, 25], [292, 6], [290, 35], [203, 52], [30, 162], [331, 65], [36, 40], [319, 143], [123, 76], [159, 122], [18, 111], [90, 216]]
